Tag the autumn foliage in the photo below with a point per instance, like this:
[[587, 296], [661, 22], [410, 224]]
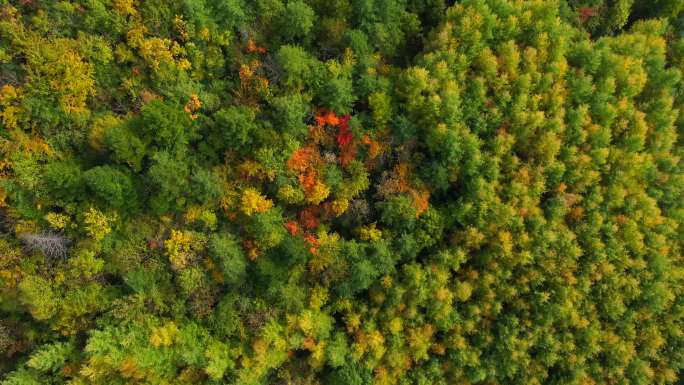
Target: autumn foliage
[[347, 192]]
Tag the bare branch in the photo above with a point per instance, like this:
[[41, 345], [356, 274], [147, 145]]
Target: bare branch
[[53, 246]]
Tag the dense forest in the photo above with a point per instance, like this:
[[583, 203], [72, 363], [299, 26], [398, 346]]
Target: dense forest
[[341, 192]]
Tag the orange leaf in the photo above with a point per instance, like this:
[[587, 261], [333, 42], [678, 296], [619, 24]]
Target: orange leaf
[[320, 120], [302, 159], [292, 227], [308, 179], [332, 119]]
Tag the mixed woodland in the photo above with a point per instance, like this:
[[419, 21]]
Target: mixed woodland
[[341, 192]]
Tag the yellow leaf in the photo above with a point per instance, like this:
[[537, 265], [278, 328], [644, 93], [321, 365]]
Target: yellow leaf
[[164, 335], [253, 202]]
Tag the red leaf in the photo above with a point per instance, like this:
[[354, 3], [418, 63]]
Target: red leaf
[[308, 218], [344, 121], [587, 12], [344, 138]]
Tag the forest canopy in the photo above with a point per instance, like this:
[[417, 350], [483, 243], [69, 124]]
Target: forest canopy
[[341, 192]]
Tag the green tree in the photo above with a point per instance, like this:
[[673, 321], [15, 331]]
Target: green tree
[[238, 127], [296, 20], [226, 251], [169, 176], [112, 186], [125, 146]]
